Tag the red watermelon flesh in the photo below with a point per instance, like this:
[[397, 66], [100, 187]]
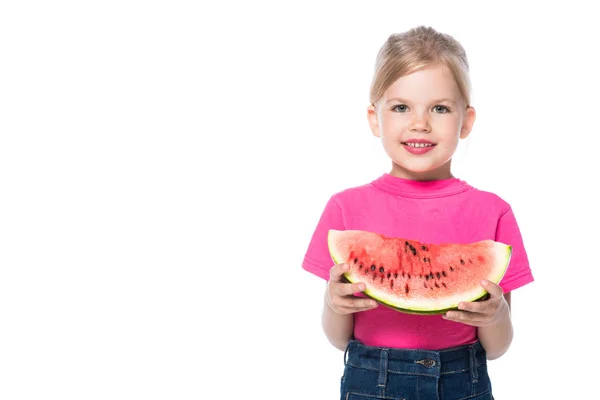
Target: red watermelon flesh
[[415, 277]]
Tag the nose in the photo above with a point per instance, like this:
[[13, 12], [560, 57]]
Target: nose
[[420, 123]]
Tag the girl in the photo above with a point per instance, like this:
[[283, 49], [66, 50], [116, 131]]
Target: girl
[[420, 108]]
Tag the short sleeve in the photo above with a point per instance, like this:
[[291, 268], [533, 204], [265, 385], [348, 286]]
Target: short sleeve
[[317, 259], [518, 272]]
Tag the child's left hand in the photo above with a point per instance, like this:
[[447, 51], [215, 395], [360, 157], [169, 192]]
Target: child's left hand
[[481, 313]]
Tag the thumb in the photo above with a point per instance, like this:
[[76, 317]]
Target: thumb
[[493, 289]]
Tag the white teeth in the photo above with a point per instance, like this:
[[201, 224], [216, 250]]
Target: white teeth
[[419, 144]]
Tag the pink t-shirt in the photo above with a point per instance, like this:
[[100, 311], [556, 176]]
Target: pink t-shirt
[[449, 211]]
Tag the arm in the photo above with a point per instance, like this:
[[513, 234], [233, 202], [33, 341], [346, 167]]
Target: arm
[[337, 327], [339, 307], [497, 337], [491, 317]]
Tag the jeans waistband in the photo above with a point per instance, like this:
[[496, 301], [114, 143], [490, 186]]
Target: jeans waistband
[[416, 361]]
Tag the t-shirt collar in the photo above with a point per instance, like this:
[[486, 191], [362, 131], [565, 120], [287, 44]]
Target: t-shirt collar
[[420, 189]]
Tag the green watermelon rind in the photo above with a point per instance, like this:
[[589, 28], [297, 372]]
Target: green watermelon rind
[[483, 293]]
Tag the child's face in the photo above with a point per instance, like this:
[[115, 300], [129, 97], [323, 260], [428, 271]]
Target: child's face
[[425, 105]]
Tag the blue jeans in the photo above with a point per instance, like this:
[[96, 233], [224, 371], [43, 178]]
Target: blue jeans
[[373, 373]]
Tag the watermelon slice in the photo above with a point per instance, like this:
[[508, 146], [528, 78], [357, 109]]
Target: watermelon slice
[[415, 277]]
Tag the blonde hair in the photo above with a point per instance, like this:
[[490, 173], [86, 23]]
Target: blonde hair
[[420, 47]]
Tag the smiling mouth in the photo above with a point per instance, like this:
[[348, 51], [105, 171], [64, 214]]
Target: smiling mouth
[[418, 145]]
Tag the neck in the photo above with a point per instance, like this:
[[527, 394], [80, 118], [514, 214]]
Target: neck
[[442, 172]]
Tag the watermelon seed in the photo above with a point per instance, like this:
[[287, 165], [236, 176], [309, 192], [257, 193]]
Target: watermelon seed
[[381, 269], [356, 260], [462, 261], [444, 273], [424, 248], [373, 267], [381, 278], [431, 287], [436, 285], [403, 274], [451, 269], [392, 284], [426, 277], [411, 247], [424, 284], [396, 275], [406, 288], [437, 274], [426, 259], [388, 275], [408, 276], [431, 275], [360, 266], [444, 284]]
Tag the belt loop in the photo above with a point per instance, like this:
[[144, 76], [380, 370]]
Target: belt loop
[[346, 352], [383, 369], [473, 365]]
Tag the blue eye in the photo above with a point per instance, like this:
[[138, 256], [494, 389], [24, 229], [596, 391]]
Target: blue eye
[[400, 108], [441, 109]]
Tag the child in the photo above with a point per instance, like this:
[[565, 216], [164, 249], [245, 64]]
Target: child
[[420, 108]]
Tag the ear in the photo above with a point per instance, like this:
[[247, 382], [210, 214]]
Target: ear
[[468, 122], [373, 120]]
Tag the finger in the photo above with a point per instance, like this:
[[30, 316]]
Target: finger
[[365, 308], [352, 310], [493, 289], [355, 304], [463, 317], [336, 272], [365, 304], [481, 307], [351, 288], [342, 288]]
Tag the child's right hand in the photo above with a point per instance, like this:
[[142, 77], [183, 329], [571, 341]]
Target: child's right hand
[[339, 295]]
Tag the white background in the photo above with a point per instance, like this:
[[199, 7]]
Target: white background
[[163, 165]]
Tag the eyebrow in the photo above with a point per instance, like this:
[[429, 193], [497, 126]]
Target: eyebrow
[[406, 101]]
